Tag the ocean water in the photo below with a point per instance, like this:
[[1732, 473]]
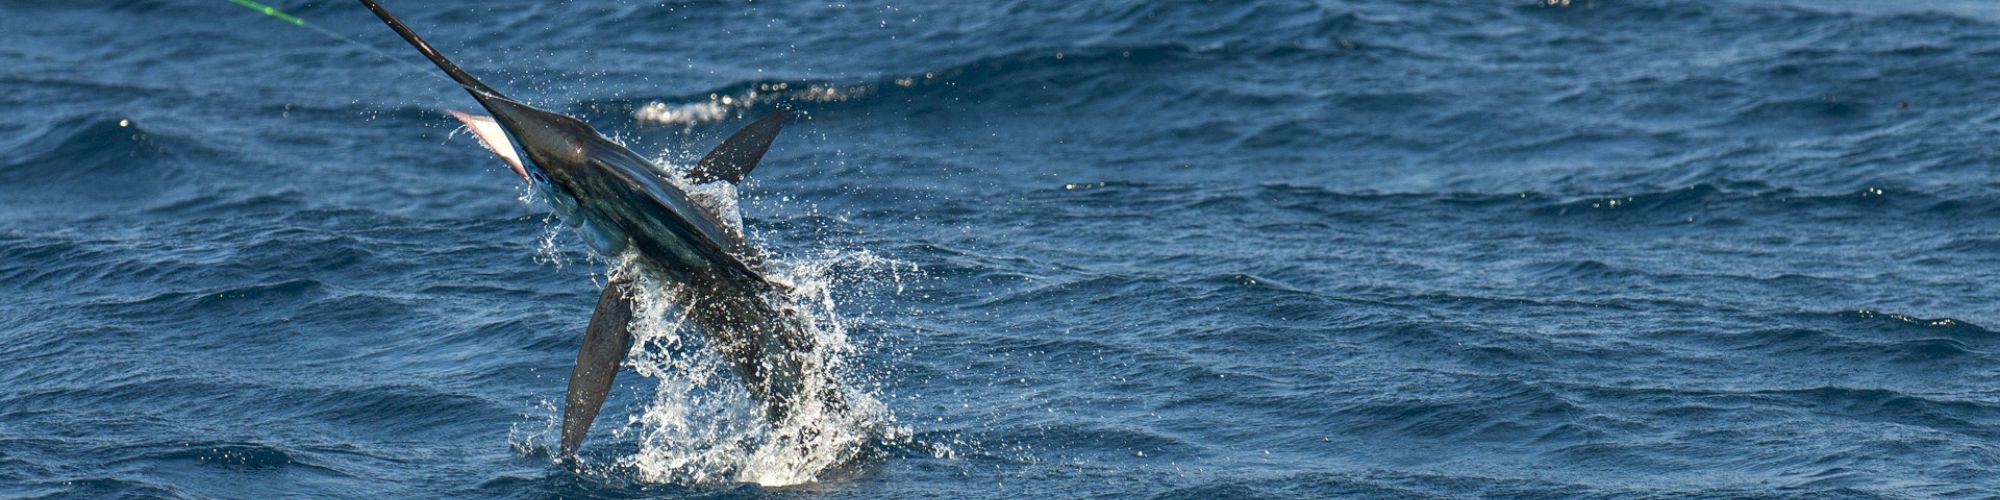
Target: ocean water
[[1612, 249]]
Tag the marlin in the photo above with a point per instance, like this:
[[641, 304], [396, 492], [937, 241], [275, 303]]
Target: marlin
[[621, 203]]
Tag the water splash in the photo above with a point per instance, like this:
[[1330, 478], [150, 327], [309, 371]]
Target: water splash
[[720, 199], [549, 246], [701, 426], [544, 423]]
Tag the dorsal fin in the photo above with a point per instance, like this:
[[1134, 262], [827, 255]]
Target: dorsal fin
[[736, 156]]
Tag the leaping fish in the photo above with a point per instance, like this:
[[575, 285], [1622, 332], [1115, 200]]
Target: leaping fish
[[621, 203]]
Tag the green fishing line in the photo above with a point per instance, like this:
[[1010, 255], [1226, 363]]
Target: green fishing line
[[301, 22], [269, 11]]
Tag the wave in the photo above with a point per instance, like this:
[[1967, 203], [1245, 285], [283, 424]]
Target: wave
[[241, 456], [966, 81], [102, 487], [1934, 353], [1734, 200], [87, 159], [231, 302], [1906, 324]]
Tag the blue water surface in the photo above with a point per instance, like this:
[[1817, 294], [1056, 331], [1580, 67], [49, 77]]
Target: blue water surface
[[1618, 248]]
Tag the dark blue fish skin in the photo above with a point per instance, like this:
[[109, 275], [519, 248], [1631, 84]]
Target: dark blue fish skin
[[623, 193]]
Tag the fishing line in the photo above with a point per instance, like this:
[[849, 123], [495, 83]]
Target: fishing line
[[301, 22]]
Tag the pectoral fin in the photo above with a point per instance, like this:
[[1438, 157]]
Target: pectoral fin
[[604, 344], [494, 137]]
